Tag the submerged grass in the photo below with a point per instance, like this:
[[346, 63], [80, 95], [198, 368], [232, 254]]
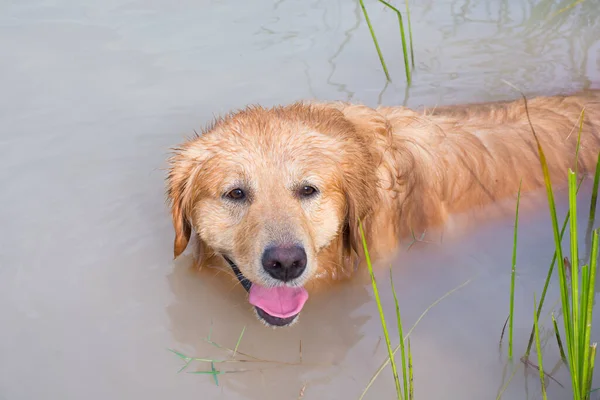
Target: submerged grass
[[408, 62], [234, 359]]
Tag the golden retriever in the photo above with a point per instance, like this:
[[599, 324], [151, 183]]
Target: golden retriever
[[276, 194]]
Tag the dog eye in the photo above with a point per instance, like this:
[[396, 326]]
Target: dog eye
[[307, 191], [236, 194]]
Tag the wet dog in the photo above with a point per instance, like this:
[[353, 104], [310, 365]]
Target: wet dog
[[276, 194]]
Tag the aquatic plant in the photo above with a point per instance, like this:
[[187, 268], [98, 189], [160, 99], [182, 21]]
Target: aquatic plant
[[386, 334], [407, 67], [233, 359], [538, 347], [406, 353], [512, 276], [577, 298]]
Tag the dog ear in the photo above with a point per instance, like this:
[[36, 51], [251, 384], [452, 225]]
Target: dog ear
[[351, 243], [183, 229], [181, 171], [360, 194], [358, 208]]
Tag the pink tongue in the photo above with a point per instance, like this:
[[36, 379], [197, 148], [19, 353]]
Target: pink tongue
[[281, 301]]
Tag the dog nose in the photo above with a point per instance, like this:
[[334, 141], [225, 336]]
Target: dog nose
[[284, 262]]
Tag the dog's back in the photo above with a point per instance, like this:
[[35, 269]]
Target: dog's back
[[471, 155]]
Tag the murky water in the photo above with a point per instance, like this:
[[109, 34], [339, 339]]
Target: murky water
[[95, 93]]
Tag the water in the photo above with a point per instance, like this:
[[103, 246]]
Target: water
[[95, 93]]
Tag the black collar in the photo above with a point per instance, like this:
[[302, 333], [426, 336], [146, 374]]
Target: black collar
[[243, 280]]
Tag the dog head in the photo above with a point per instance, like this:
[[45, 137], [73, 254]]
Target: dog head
[[277, 193]]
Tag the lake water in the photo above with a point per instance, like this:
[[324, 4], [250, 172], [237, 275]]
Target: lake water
[[95, 93]]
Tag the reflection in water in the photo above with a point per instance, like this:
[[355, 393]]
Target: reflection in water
[[525, 43], [340, 87], [460, 55], [208, 303]]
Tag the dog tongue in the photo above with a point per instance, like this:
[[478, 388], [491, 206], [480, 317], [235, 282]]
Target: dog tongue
[[281, 301]]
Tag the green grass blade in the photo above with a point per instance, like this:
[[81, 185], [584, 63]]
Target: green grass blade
[[557, 242], [588, 307], [548, 277], [575, 311], [412, 53], [512, 276], [400, 335], [411, 387], [592, 362], [593, 202], [387, 74], [205, 372], [238, 341], [187, 364], [584, 346], [559, 341], [583, 289], [538, 348], [180, 355], [567, 321], [215, 373], [386, 361], [380, 308], [403, 38]]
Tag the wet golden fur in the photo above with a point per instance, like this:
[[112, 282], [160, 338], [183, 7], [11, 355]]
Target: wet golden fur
[[394, 168]]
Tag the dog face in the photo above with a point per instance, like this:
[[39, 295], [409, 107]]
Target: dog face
[[277, 193]]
